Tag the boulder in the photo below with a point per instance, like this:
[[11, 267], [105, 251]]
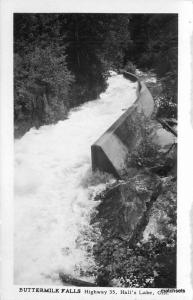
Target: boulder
[[124, 207]]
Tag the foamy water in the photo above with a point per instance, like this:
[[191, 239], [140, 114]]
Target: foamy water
[[52, 205]]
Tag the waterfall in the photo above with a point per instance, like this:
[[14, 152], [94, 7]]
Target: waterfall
[[53, 199]]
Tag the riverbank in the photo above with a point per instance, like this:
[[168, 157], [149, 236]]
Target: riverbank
[[137, 215], [142, 255]]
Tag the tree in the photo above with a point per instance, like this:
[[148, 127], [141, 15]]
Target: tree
[[42, 83], [155, 47], [66, 54]]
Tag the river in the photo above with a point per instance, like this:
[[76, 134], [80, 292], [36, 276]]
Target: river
[[54, 195]]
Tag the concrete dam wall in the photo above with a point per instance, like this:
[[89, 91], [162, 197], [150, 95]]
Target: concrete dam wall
[[109, 153]]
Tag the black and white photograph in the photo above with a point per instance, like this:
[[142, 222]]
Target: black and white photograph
[[95, 120], [96, 115]]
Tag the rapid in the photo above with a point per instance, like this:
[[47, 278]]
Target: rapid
[[53, 198]]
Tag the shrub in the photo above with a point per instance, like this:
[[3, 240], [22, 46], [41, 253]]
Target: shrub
[[146, 154], [130, 67]]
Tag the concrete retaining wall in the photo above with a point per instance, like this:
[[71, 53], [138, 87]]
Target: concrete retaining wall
[[110, 151]]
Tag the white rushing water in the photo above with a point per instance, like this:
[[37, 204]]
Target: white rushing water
[[52, 202]]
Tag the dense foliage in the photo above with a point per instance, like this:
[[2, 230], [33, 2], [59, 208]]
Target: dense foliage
[[65, 58], [148, 153], [155, 46], [42, 83]]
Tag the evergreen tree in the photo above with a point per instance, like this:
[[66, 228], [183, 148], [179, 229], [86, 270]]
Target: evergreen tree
[[155, 47]]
